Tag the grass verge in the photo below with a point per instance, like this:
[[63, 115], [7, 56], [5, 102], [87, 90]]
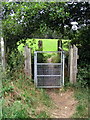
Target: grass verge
[[22, 100], [81, 95]]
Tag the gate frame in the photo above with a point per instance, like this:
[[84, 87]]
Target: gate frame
[[62, 68]]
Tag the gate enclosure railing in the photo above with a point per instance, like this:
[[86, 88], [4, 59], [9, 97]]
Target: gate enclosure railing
[[48, 74]]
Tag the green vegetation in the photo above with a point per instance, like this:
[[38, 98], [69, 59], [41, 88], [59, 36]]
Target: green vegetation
[[21, 98], [28, 20], [82, 40], [81, 95], [22, 21], [1, 74], [51, 44], [82, 92], [48, 44]]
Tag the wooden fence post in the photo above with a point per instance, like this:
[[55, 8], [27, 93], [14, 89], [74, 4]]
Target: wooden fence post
[[59, 44], [27, 54], [69, 62], [75, 55], [73, 63], [40, 44], [2, 54]]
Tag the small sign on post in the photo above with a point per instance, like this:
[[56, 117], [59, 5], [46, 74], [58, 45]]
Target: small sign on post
[[27, 54]]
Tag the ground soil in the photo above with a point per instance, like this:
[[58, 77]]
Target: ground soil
[[64, 103]]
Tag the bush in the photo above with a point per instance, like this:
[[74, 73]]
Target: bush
[[16, 60], [40, 57], [83, 76], [82, 40]]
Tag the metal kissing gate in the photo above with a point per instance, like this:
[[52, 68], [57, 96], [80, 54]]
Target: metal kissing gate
[[48, 74]]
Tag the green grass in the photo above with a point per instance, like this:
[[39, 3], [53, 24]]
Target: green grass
[[43, 114], [48, 44], [81, 95], [51, 44], [0, 92], [22, 98]]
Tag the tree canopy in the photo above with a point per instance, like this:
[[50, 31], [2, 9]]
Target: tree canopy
[[23, 20]]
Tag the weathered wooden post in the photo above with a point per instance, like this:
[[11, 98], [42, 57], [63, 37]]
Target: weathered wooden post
[[71, 64], [28, 68], [40, 44], [2, 54], [73, 56], [69, 61]]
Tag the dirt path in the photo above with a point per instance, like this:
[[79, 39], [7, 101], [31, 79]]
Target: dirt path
[[64, 104]]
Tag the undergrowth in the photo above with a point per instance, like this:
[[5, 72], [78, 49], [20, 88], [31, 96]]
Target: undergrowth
[[81, 95], [21, 98], [81, 92]]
